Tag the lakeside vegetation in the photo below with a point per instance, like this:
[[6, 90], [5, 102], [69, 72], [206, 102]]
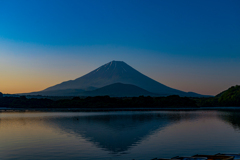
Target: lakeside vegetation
[[230, 97], [98, 102]]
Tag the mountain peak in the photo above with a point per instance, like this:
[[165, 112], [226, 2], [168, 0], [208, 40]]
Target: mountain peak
[[113, 68], [117, 72], [116, 62]]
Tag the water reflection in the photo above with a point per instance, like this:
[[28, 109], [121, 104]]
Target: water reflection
[[118, 132], [117, 135], [232, 118]]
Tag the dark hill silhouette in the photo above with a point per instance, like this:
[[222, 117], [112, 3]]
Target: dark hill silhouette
[[230, 97], [119, 90], [227, 98], [118, 72], [232, 91]]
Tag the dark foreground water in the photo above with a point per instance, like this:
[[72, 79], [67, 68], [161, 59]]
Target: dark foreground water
[[118, 135]]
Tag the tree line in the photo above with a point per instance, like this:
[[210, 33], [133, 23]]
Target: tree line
[[98, 102], [230, 97]]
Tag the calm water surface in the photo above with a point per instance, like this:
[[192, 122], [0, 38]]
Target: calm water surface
[[118, 135]]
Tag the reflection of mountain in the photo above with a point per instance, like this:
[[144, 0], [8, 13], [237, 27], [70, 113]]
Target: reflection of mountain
[[233, 118], [116, 133]]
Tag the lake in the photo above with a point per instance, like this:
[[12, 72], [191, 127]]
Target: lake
[[117, 135]]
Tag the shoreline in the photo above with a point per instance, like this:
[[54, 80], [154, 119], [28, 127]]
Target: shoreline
[[4, 109]]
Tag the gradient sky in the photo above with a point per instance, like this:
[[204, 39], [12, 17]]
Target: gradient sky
[[190, 45]]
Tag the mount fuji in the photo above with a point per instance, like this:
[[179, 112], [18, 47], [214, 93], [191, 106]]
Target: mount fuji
[[114, 72]]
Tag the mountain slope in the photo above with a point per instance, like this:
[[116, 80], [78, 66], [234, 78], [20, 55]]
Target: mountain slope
[[61, 92], [119, 90], [230, 97], [118, 72]]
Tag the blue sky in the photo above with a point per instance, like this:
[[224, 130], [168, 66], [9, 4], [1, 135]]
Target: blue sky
[[188, 45]]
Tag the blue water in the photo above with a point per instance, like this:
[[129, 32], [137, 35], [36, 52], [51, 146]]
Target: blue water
[[117, 135]]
